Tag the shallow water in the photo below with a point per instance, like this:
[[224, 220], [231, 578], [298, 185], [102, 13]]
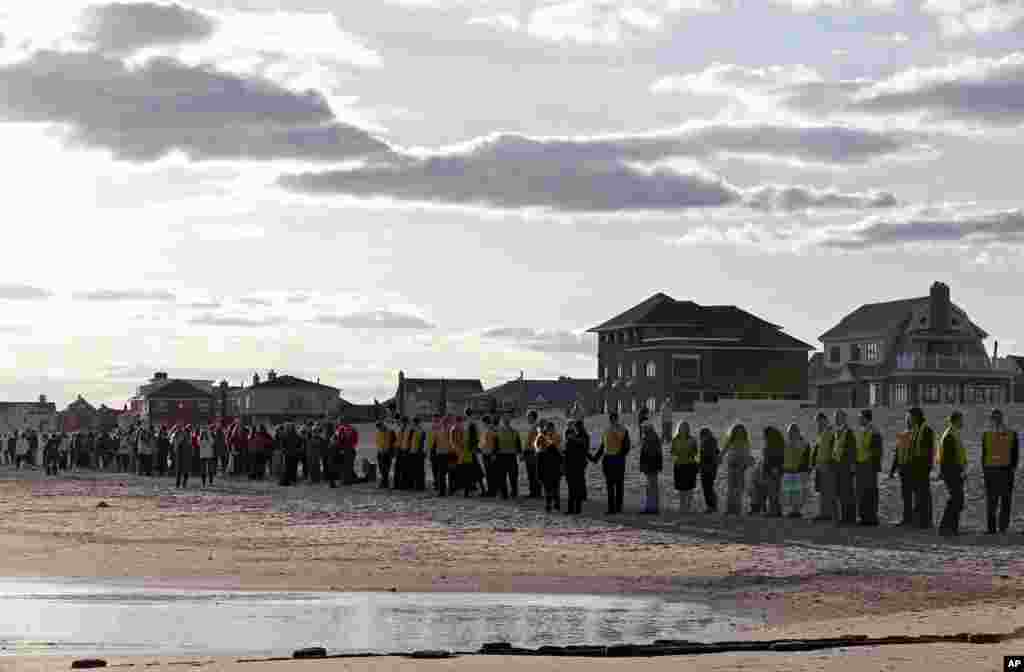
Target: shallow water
[[77, 618]]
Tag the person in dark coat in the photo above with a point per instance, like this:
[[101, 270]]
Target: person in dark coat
[[772, 462], [952, 460], [577, 454], [182, 441], [922, 457], [709, 461], [844, 453], [1000, 454], [869, 464], [549, 455], [615, 446]]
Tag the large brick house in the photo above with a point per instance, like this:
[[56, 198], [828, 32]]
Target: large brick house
[[924, 350], [176, 402], [281, 399], [426, 396], [664, 347]]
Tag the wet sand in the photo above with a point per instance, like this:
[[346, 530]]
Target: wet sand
[[242, 535]]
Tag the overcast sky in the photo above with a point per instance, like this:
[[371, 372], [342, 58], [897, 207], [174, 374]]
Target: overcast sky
[[460, 188]]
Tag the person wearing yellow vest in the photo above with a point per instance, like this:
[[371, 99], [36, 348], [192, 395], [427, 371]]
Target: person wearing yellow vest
[[951, 457], [437, 446], [1000, 453], [402, 454], [510, 447], [386, 440], [417, 456], [615, 446], [795, 464], [921, 457], [489, 452], [844, 455], [685, 464], [824, 476], [530, 456], [869, 465], [549, 449], [901, 464], [468, 471]]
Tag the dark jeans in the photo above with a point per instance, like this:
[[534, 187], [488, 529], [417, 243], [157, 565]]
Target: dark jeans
[[846, 496], [922, 487], [183, 465], [907, 494], [615, 476], [867, 494], [146, 465], [998, 497], [707, 483], [576, 479], [491, 469], [418, 478], [439, 467], [532, 476], [257, 466], [290, 472], [552, 494], [507, 475], [384, 462], [955, 503], [209, 469], [465, 478]]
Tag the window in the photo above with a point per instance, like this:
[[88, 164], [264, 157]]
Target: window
[[620, 370], [634, 369], [872, 352], [901, 394], [618, 406], [875, 394], [652, 369], [633, 405], [833, 354], [855, 352], [652, 405], [949, 394], [930, 394], [604, 406], [686, 367]]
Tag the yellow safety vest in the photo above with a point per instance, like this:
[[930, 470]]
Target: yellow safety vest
[[864, 455], [404, 439], [531, 438], [507, 442], [903, 445], [961, 452], [996, 448], [384, 441], [416, 437], [826, 440], [490, 442], [793, 458], [684, 451], [839, 445], [614, 441], [919, 450], [460, 443]]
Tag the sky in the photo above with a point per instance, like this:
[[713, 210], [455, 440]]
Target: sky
[[460, 188]]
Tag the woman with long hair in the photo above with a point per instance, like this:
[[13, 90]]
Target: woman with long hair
[[709, 460], [738, 458], [795, 466], [577, 454], [685, 465], [651, 464]]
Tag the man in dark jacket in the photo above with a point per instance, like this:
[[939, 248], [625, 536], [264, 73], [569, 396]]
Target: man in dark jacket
[[921, 458], [1000, 454], [952, 463], [869, 465], [774, 458], [844, 452], [614, 448]]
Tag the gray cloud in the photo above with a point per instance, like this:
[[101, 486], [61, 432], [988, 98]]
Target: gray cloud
[[211, 320], [143, 113], [298, 298], [255, 302], [122, 28], [543, 341], [23, 293], [375, 319], [793, 198], [125, 295], [1006, 226], [205, 305], [592, 175]]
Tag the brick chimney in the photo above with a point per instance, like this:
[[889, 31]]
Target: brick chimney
[[940, 309], [255, 379]]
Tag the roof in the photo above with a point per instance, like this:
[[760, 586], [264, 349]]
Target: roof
[[21, 404], [874, 318], [80, 404], [662, 309], [561, 391], [178, 389], [290, 381]]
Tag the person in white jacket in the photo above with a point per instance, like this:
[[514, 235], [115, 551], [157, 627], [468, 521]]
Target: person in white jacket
[[207, 456]]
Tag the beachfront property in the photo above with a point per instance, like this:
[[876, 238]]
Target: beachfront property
[[427, 396], [173, 401], [924, 350], [525, 394], [663, 348], [39, 415], [281, 399]]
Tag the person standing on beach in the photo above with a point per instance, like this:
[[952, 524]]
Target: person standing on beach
[[510, 447], [417, 453], [146, 449], [549, 450], [651, 464], [685, 465], [208, 456], [530, 455], [824, 475], [577, 455], [666, 420], [386, 439], [709, 460], [1000, 454], [401, 477], [844, 454], [951, 457], [869, 465], [773, 460], [922, 457], [182, 441], [489, 453], [615, 446], [901, 464], [736, 453], [439, 455], [795, 464]]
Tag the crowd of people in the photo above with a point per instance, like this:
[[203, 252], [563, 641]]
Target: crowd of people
[[841, 463]]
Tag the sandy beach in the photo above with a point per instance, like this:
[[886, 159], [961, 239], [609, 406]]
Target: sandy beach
[[805, 580]]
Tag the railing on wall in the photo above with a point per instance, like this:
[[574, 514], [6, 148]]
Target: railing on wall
[[919, 361]]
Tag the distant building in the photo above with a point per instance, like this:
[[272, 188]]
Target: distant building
[[79, 416], [228, 401], [924, 350], [1017, 390], [178, 402], [39, 415], [280, 399], [427, 396], [522, 395], [667, 348]]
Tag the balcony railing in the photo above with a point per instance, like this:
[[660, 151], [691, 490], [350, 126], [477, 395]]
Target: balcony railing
[[914, 361]]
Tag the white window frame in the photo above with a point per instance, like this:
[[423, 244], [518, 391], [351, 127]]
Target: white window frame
[[700, 365], [634, 369], [926, 393], [651, 369], [872, 352], [652, 405], [874, 394], [901, 393], [619, 371]]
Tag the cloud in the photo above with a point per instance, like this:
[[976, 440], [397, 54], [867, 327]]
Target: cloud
[[125, 295], [793, 198], [989, 90], [543, 341], [298, 298], [504, 22], [375, 319], [212, 320], [737, 80], [958, 18], [593, 174], [204, 305], [23, 293], [252, 301], [1004, 226], [143, 113], [122, 28]]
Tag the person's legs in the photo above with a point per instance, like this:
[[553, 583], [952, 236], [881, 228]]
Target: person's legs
[[1005, 502]]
